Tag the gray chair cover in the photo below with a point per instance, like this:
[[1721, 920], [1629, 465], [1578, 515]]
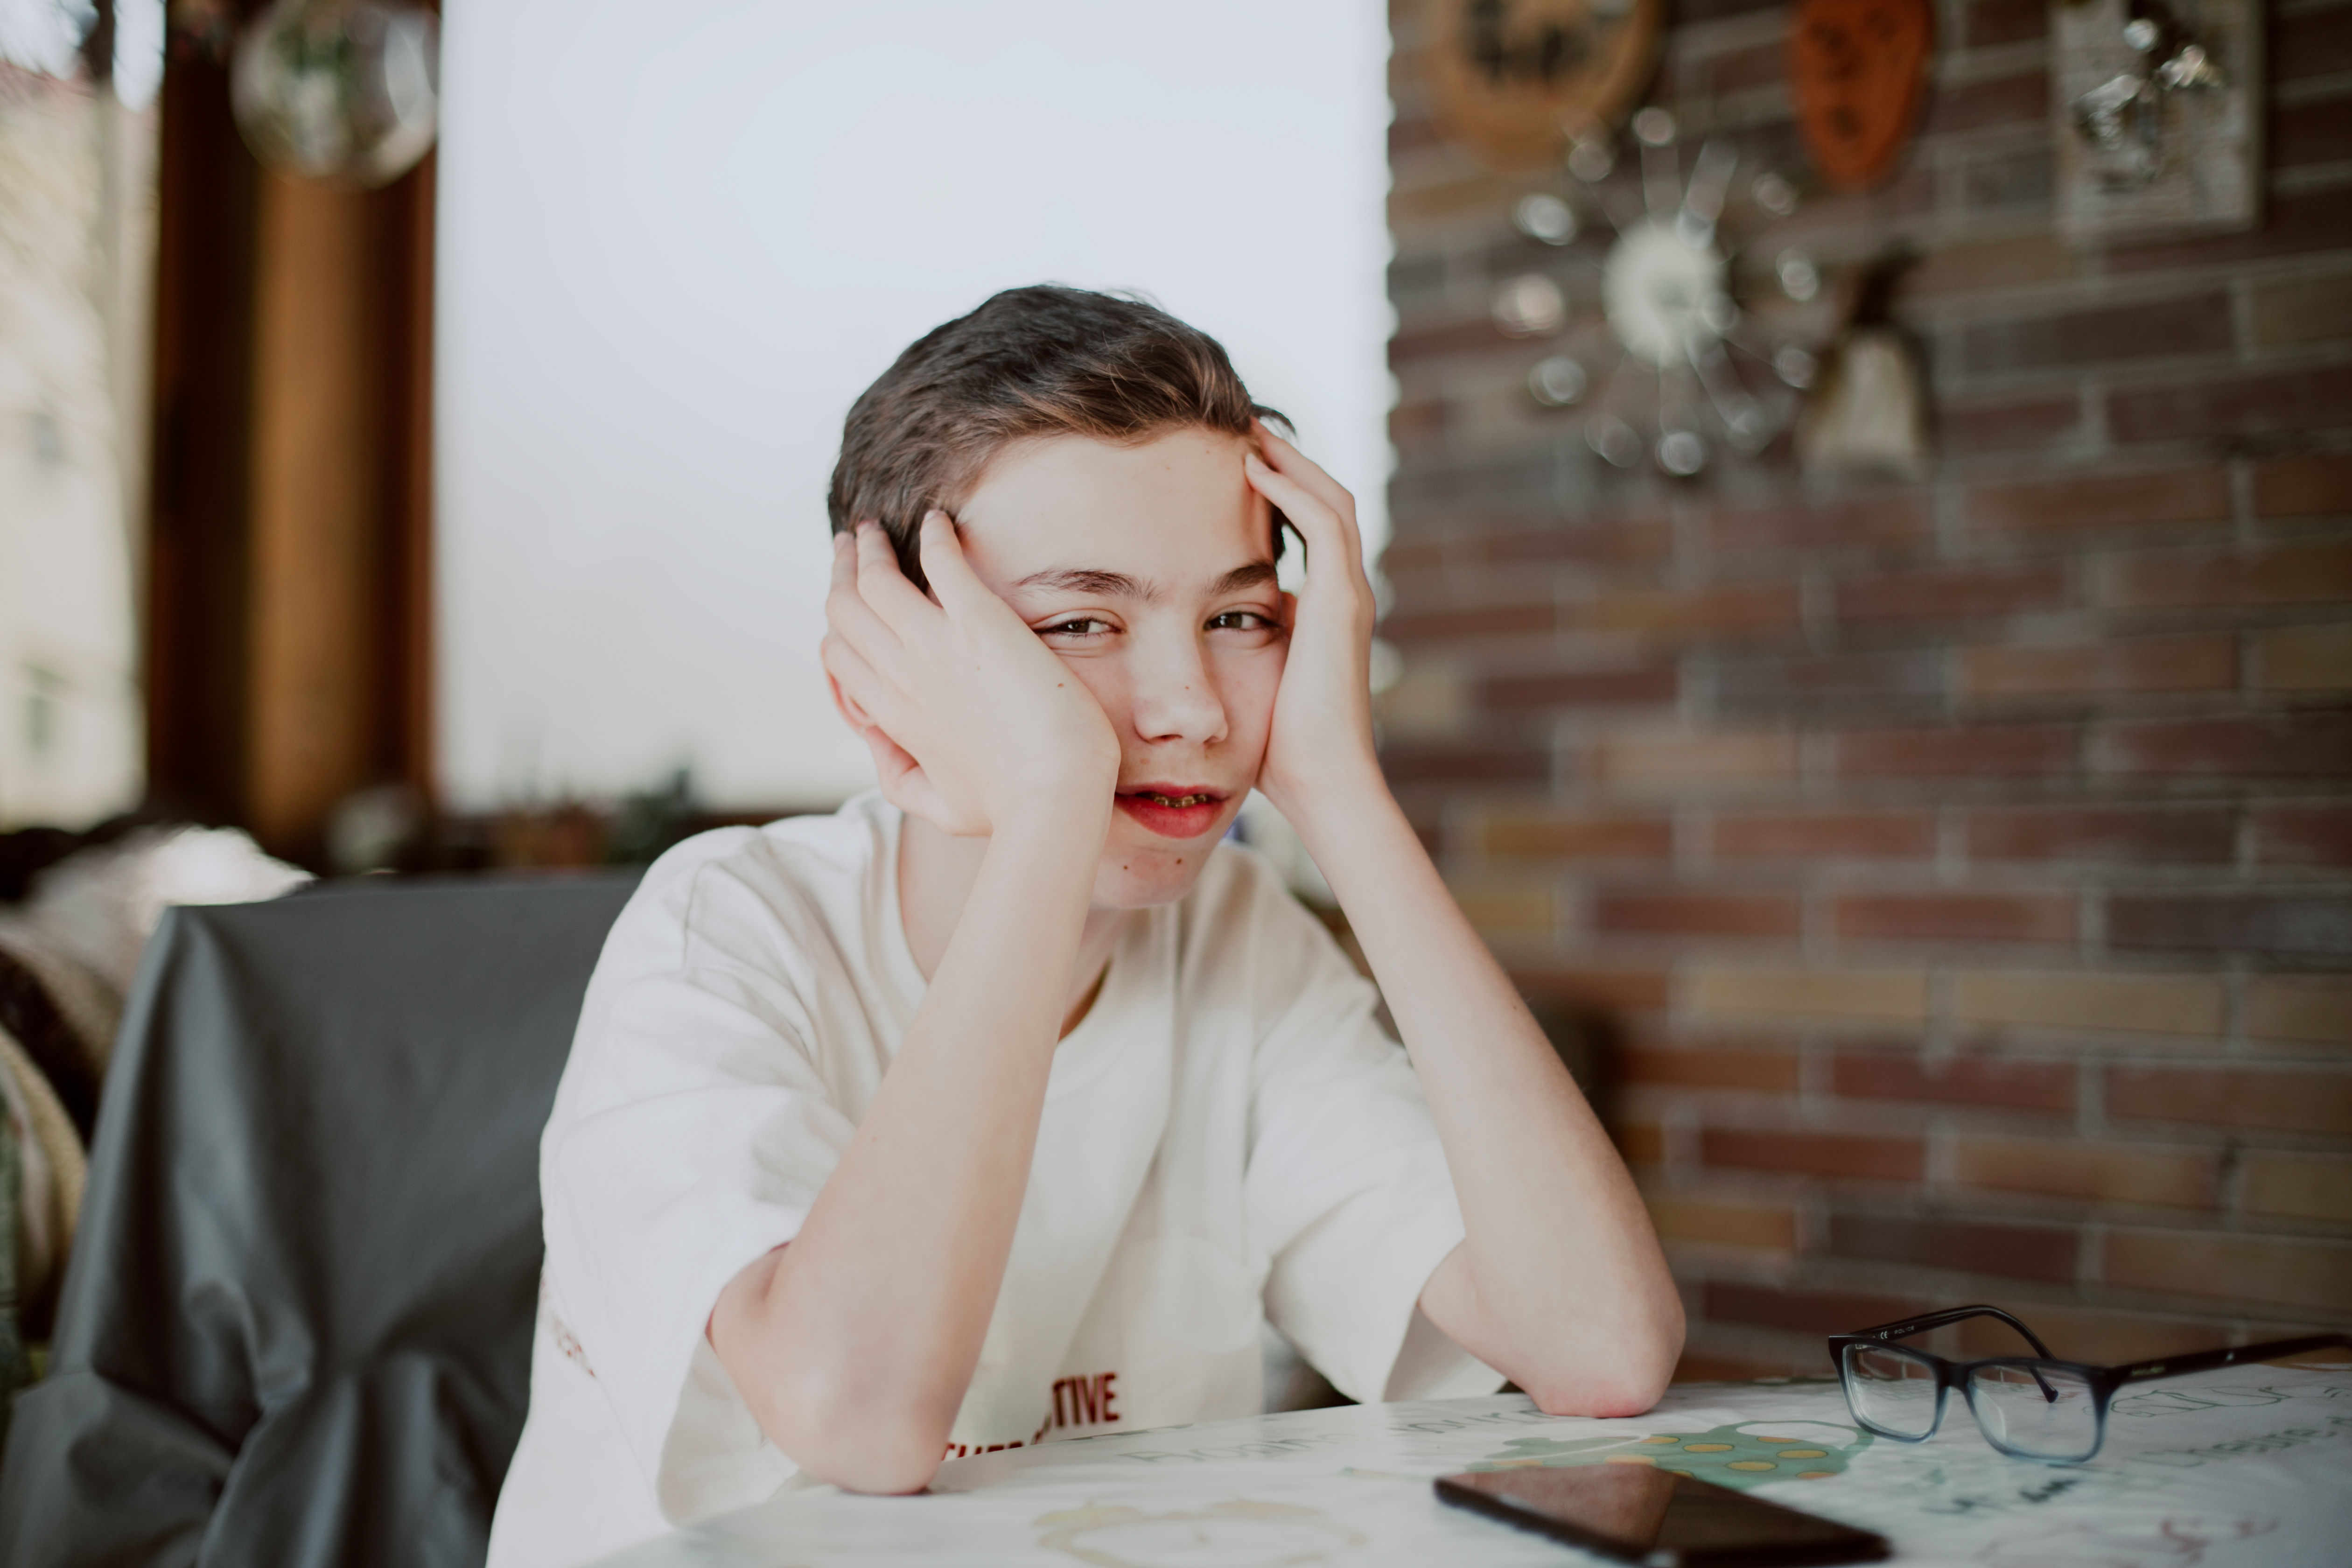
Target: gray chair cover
[[296, 1326]]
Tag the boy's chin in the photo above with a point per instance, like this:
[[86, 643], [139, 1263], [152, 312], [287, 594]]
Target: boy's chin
[[1143, 876]]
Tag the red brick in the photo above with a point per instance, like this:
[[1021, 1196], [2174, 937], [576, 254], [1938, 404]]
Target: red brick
[[1956, 916], [1431, 342], [2025, 752], [1628, 990], [1993, 264], [1834, 1154], [2005, 1082], [2301, 745], [1583, 689], [2014, 1251], [2204, 662], [1827, 836], [2260, 403], [2304, 833], [2162, 329], [1897, 519], [2313, 573], [2017, 180], [1765, 1072], [1417, 424], [2008, 100], [2304, 659], [1831, 680], [1951, 596], [1406, 763], [2317, 925], [2277, 1099], [2195, 837], [2009, 425], [1547, 832], [2103, 1338], [2088, 1172], [2306, 133], [2316, 484], [2111, 500], [1771, 1227], [1639, 1143], [1416, 627], [2271, 1271], [1613, 540], [1730, 610], [2315, 43], [2292, 225], [1804, 1311], [1989, 22], [1626, 913], [2302, 310]]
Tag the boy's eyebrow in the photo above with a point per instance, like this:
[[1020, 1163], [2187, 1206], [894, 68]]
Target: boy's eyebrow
[[1119, 585]]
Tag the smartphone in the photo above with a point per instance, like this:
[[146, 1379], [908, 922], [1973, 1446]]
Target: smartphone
[[1659, 1519]]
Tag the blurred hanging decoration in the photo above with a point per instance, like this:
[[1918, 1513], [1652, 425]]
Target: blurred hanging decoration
[[1868, 411], [1694, 372], [2156, 113], [341, 91], [1507, 77], [1858, 70]]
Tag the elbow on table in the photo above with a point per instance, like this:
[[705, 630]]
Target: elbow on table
[[1625, 1379], [853, 1444]]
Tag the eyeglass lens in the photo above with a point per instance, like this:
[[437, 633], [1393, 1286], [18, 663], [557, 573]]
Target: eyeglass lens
[[2051, 1415], [1893, 1389]]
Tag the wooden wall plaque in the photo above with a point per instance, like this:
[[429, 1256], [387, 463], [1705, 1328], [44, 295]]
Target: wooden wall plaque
[[1858, 70], [1513, 81]]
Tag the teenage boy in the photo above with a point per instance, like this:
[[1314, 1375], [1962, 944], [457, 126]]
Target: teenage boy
[[1006, 1103]]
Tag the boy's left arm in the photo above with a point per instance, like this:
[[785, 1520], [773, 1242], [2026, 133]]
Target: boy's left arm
[[1560, 1285]]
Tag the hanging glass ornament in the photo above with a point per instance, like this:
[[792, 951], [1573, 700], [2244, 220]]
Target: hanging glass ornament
[[341, 91]]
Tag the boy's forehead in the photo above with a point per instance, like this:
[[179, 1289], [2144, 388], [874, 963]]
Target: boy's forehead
[[1176, 506]]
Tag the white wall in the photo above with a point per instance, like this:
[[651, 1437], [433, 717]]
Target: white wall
[[676, 241]]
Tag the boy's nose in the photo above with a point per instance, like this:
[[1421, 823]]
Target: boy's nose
[[1174, 697]]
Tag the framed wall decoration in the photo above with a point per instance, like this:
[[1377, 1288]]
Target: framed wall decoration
[[1858, 70], [1516, 81]]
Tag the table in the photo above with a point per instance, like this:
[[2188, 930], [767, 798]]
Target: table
[[2248, 1465]]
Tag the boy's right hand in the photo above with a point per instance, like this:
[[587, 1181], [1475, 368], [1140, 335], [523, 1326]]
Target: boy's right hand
[[974, 724]]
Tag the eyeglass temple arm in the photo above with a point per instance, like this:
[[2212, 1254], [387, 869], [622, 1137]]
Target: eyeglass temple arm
[[2204, 1360], [1910, 1326]]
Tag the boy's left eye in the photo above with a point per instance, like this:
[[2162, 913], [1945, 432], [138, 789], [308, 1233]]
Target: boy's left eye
[[1240, 621]]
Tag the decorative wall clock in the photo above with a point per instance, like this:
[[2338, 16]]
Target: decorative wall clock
[[1858, 70], [1515, 81], [1693, 372]]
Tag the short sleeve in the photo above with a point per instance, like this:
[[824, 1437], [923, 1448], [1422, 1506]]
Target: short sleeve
[[1347, 1188], [699, 1131]]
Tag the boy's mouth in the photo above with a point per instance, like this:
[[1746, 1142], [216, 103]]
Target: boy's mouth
[[1173, 811]]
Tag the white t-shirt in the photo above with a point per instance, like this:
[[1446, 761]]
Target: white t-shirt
[[1227, 1137]]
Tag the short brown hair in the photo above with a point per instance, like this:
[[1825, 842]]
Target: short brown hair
[[1035, 362]]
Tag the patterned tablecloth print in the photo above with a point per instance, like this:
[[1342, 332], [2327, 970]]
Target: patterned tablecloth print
[[2243, 1466]]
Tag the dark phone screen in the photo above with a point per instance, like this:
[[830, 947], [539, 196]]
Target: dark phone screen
[[1638, 1513]]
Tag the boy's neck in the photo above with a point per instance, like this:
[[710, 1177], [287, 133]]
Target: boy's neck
[[936, 873]]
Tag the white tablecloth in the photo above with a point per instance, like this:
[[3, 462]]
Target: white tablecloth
[[2245, 1466]]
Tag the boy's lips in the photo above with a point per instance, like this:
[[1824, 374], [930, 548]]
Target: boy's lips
[[1173, 811]]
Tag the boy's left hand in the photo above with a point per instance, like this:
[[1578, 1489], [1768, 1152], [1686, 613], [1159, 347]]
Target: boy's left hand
[[1321, 740]]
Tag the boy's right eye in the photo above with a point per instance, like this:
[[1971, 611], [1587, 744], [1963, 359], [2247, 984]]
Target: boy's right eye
[[1076, 626]]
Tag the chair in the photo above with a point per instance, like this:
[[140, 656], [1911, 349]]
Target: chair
[[296, 1327]]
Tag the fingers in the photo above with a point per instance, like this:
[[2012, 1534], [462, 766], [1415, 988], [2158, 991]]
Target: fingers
[[845, 609], [1302, 470], [1330, 541], [880, 583], [943, 562]]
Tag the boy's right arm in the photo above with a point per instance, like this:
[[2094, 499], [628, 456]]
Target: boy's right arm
[[853, 1344]]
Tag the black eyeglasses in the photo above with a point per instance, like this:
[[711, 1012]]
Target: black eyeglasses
[[2033, 1408]]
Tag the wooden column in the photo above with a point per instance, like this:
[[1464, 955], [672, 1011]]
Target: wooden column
[[290, 612]]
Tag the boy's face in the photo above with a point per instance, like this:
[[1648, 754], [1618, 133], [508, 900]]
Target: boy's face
[[1150, 569]]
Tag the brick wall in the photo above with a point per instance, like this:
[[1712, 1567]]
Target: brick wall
[[1959, 868]]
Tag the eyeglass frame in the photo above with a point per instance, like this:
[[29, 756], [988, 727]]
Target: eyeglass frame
[[2101, 1381]]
